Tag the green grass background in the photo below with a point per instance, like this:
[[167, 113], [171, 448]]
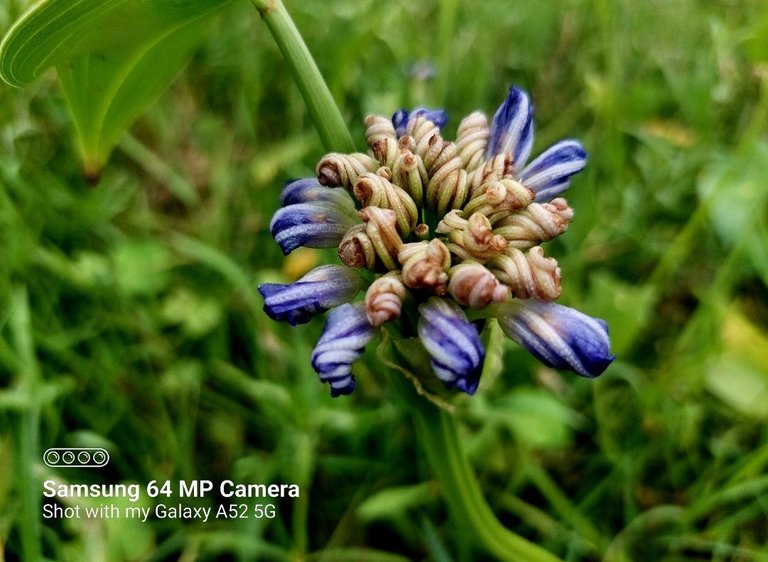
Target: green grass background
[[129, 317]]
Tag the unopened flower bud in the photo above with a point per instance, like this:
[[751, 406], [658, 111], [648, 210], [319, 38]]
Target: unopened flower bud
[[356, 248], [382, 139], [476, 241], [453, 220], [381, 228], [375, 190], [472, 139], [528, 275], [425, 265], [421, 231], [471, 284], [536, 223], [495, 169], [384, 299], [410, 173], [343, 169], [422, 130], [500, 198]]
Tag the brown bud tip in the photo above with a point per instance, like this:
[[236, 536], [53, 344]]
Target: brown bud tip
[[384, 299], [422, 231], [363, 189], [473, 285], [328, 174]]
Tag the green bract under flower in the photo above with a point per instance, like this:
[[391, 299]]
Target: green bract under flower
[[446, 226]]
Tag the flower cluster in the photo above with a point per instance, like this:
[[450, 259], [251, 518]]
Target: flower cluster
[[443, 227]]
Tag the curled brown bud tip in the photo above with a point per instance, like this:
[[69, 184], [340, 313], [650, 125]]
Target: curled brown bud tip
[[425, 266], [343, 169], [356, 248], [472, 139], [454, 220], [495, 169], [375, 190], [448, 188], [422, 130], [438, 153], [535, 224], [528, 275], [421, 231], [479, 237], [378, 127], [384, 172], [500, 198], [384, 299], [473, 285], [410, 173], [381, 228], [407, 142], [385, 151]]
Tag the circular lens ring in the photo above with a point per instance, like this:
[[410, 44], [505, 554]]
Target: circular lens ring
[[68, 457]]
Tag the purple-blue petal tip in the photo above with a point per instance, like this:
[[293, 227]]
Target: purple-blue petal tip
[[512, 128], [453, 343], [345, 335], [319, 224], [319, 290], [559, 336]]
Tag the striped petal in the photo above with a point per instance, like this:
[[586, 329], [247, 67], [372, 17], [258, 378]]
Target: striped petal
[[400, 119], [550, 174], [559, 336], [306, 190], [512, 128], [320, 224], [323, 288], [453, 344], [344, 337]]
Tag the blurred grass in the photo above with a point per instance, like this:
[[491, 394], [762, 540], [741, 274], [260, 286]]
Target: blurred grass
[[145, 334]]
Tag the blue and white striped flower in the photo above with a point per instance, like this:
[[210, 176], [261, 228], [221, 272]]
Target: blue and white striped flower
[[343, 341], [559, 336], [318, 219], [453, 344], [493, 211], [307, 190], [321, 289], [512, 133]]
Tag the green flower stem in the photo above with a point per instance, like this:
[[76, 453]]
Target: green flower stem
[[439, 436], [322, 109]]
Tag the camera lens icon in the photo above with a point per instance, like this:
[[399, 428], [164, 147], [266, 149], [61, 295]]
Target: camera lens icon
[[76, 457]]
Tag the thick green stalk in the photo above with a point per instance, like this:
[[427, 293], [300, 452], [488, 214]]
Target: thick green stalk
[[439, 436], [322, 109]]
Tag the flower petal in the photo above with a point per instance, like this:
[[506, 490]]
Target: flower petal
[[320, 224], [344, 337], [400, 119], [306, 190], [322, 288], [559, 336], [550, 173], [512, 128], [453, 344]]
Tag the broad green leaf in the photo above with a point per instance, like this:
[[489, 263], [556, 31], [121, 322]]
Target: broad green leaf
[[113, 57]]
